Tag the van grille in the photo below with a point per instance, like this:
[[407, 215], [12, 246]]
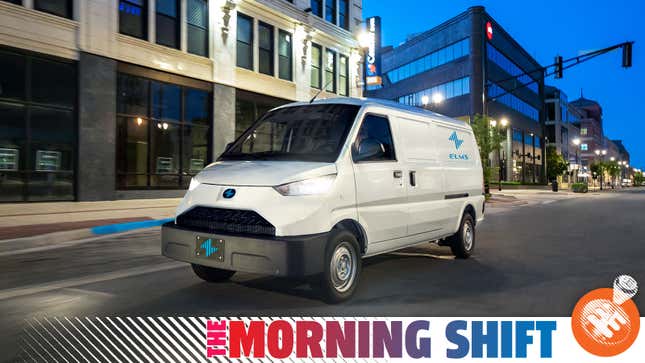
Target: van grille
[[218, 220]]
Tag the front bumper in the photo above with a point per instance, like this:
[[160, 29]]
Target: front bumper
[[293, 256]]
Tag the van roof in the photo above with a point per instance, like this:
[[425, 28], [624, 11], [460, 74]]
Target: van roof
[[386, 103]]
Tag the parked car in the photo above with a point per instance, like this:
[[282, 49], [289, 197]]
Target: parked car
[[311, 189]]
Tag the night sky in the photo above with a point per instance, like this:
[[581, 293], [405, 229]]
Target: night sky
[[546, 29]]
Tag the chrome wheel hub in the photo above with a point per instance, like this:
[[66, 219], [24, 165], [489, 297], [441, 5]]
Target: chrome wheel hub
[[468, 236], [343, 267]]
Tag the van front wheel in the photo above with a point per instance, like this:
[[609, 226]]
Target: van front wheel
[[342, 267], [462, 243]]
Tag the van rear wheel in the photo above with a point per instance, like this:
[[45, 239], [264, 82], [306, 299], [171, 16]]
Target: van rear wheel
[[462, 243], [342, 268], [212, 274]]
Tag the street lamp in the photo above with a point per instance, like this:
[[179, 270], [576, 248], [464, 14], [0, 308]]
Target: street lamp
[[576, 142], [436, 99], [503, 123]]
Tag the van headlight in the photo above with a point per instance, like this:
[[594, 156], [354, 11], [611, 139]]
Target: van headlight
[[193, 184], [311, 186]]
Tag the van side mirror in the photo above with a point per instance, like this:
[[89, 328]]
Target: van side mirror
[[369, 149]]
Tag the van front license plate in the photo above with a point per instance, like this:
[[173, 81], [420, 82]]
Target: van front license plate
[[208, 247]]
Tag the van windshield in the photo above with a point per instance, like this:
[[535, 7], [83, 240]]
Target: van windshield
[[299, 133]]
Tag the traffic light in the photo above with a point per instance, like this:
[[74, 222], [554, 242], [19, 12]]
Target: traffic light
[[627, 55], [558, 67]]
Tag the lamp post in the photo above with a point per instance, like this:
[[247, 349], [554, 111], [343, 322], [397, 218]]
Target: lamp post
[[602, 152], [576, 143]]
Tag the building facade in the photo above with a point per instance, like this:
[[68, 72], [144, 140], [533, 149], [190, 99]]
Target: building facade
[[111, 99], [470, 65], [591, 131], [562, 130]]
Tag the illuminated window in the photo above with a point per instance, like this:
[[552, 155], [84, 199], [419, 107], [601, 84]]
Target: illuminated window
[[583, 131], [584, 147]]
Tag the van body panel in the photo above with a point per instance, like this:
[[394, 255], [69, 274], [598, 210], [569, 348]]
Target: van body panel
[[419, 195], [262, 173]]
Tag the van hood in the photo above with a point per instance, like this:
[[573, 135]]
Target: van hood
[[262, 173]]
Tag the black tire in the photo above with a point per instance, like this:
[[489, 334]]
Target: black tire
[[331, 285], [212, 274], [459, 244]]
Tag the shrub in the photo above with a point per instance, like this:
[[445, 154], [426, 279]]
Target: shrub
[[579, 187]]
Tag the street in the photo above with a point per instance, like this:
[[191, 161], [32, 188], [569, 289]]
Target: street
[[536, 259]]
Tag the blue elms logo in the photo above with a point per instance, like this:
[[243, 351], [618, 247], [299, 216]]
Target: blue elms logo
[[207, 246], [229, 193], [454, 138]]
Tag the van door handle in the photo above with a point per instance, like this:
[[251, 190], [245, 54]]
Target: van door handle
[[413, 178], [397, 174]]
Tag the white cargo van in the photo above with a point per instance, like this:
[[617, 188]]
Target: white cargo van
[[312, 188]]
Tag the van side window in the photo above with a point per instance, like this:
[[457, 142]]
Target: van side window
[[374, 140]]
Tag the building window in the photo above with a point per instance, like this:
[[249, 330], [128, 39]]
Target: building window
[[343, 14], [316, 7], [330, 71], [456, 88], [583, 131], [265, 45], [584, 147], [133, 15], [244, 41], [163, 133], [330, 11], [343, 76], [512, 101], [251, 106], [285, 54], [197, 26], [37, 128], [510, 67], [167, 25], [57, 7], [17, 2], [430, 61], [316, 66]]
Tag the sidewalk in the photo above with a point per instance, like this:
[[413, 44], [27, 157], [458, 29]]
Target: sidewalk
[[31, 219]]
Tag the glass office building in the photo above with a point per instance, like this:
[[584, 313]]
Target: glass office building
[[452, 67]]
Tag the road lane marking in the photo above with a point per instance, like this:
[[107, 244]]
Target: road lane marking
[[57, 285]]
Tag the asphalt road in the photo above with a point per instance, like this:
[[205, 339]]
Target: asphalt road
[[532, 260]]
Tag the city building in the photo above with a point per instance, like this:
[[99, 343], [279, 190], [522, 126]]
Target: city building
[[591, 131], [107, 99], [562, 132], [470, 65]]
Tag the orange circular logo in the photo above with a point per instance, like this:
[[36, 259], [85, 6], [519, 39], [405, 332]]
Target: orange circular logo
[[606, 321]]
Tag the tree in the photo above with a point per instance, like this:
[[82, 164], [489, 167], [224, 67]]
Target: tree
[[555, 163], [597, 168], [638, 178], [613, 169], [489, 139]]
